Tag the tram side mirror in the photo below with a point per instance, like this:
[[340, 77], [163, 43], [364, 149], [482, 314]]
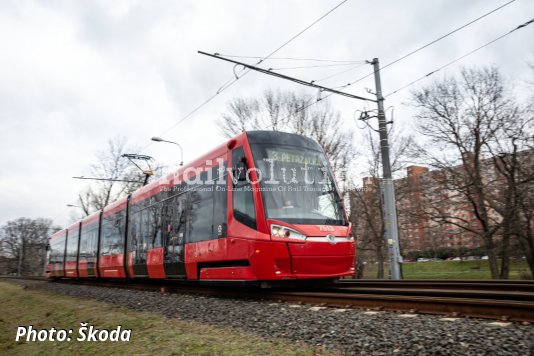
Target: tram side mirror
[[240, 170]]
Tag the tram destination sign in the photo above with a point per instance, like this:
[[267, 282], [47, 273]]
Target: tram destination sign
[[309, 158]]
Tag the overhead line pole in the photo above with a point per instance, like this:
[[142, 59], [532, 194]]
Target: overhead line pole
[[390, 212], [388, 190]]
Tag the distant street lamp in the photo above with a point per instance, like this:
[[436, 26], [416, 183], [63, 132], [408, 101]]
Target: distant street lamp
[[157, 139]]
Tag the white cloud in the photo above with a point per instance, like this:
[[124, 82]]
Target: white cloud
[[75, 74]]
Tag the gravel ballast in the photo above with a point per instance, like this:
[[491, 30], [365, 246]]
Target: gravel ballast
[[352, 331]]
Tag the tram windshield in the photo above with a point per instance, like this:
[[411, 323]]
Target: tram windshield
[[297, 186]]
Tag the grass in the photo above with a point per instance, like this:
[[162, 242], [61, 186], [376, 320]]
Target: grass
[[151, 333], [477, 269]]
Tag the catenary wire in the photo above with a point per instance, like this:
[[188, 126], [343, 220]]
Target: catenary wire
[[411, 53], [461, 57], [339, 73], [317, 66], [234, 80], [428, 44], [301, 32], [294, 59]]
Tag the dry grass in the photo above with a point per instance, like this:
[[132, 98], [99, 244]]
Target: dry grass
[[477, 269], [151, 333]]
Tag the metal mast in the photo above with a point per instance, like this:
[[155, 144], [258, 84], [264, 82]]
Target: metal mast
[[388, 190]]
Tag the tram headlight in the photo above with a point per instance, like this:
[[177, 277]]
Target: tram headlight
[[283, 231]]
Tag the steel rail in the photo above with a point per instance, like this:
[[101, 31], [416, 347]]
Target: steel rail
[[507, 305], [512, 310], [466, 293], [497, 285], [520, 281]]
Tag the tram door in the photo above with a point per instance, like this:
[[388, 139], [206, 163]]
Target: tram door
[[174, 220], [137, 242]]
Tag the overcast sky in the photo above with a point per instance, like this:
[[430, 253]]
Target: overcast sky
[[74, 74]]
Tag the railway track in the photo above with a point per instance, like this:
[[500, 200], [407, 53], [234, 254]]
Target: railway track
[[502, 300], [479, 284], [493, 308]]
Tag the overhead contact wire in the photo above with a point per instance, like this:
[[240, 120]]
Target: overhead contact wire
[[461, 57], [430, 43], [233, 80]]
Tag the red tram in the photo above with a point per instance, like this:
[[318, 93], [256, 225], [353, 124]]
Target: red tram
[[262, 207]]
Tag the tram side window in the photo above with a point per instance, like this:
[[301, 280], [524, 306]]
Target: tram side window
[[242, 197], [146, 232], [201, 215], [58, 249], [145, 229], [72, 245], [167, 210], [88, 242], [84, 243], [94, 242], [53, 251], [135, 231], [106, 236], [63, 250], [112, 234], [118, 234], [56, 252], [179, 217], [173, 220], [155, 225]]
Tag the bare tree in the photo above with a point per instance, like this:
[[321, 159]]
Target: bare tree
[[526, 221], [111, 166], [525, 192], [24, 241], [290, 112], [476, 134], [366, 217]]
